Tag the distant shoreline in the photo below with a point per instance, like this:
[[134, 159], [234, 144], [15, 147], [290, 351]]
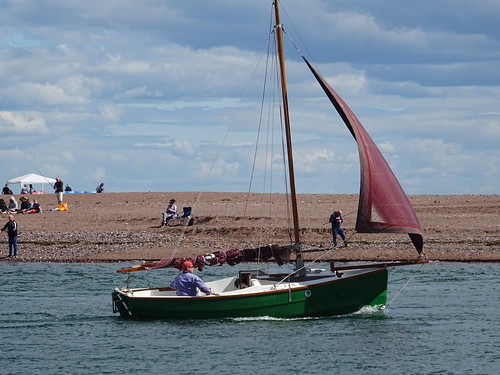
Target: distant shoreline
[[124, 227]]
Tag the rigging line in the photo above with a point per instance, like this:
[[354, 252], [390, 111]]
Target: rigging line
[[264, 86], [180, 238], [404, 286], [40, 173], [219, 150], [267, 92], [268, 163], [271, 87], [350, 213], [325, 252], [291, 41], [259, 127], [301, 268], [310, 57], [289, 20]]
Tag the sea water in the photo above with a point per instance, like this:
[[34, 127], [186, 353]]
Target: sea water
[[442, 318]]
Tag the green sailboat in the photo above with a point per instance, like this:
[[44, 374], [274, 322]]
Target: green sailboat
[[300, 290]]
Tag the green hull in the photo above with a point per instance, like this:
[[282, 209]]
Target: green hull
[[333, 297]]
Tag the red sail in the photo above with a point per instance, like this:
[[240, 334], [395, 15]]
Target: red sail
[[383, 205]]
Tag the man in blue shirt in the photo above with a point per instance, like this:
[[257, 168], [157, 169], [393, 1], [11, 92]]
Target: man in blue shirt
[[186, 282]]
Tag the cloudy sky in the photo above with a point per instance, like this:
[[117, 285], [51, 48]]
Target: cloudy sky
[[140, 94]]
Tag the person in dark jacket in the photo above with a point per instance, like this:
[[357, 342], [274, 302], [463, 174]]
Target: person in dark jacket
[[336, 220], [11, 228], [6, 190], [25, 205], [35, 208], [3, 206], [100, 188], [59, 190]]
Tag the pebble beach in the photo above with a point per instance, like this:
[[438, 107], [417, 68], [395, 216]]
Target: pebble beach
[[112, 227]]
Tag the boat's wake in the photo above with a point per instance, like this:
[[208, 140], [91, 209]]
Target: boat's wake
[[370, 310], [270, 318], [365, 311]]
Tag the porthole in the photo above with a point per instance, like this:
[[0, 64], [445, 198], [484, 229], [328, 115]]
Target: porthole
[[308, 293]]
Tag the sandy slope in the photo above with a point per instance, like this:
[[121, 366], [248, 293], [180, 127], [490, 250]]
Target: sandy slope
[[125, 226]]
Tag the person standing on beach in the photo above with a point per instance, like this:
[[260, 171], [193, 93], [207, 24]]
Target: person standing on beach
[[186, 282], [59, 190], [11, 228], [336, 220], [6, 190]]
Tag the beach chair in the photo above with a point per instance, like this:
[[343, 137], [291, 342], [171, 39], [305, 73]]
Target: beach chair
[[187, 213]]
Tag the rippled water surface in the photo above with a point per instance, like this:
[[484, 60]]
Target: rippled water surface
[[57, 319]]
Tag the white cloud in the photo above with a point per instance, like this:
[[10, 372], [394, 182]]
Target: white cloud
[[93, 94], [142, 92], [19, 122], [41, 94], [99, 174]]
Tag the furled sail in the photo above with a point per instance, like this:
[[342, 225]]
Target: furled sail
[[383, 205], [280, 254]]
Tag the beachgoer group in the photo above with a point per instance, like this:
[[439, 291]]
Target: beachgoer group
[[35, 208], [26, 206]]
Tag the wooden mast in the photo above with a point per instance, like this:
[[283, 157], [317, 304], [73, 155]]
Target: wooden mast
[[293, 194]]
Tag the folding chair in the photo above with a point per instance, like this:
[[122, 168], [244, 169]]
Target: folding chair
[[187, 213]]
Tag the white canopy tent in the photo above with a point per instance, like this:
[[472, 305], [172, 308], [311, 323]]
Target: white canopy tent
[[32, 178]]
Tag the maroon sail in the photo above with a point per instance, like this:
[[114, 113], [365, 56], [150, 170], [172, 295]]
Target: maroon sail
[[383, 205]]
